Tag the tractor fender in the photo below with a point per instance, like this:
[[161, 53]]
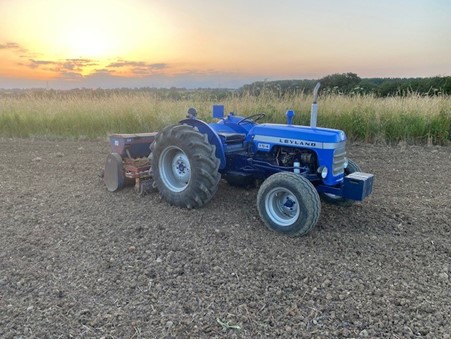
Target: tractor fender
[[213, 137]]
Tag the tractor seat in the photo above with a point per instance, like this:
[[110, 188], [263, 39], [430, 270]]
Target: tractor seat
[[231, 138]]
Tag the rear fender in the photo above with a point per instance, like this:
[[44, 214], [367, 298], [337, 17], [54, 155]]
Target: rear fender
[[213, 137]]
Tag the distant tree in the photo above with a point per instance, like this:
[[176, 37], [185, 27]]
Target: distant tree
[[343, 83], [369, 85]]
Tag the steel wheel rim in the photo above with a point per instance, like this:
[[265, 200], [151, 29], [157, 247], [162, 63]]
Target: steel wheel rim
[[282, 206], [175, 169]]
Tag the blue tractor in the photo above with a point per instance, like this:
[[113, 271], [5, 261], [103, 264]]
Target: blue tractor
[[294, 166]]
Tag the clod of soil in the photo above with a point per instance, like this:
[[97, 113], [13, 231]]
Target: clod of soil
[[79, 261]]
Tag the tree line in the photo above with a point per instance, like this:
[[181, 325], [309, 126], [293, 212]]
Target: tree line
[[352, 84]]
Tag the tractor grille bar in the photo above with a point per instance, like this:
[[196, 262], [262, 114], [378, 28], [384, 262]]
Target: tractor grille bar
[[339, 158]]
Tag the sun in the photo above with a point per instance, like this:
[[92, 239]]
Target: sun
[[89, 34], [89, 42]]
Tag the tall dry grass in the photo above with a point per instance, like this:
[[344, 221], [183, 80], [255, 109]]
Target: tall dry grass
[[413, 118]]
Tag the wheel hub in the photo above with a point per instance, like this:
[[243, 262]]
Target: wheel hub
[[181, 167], [175, 169], [289, 205], [282, 206]]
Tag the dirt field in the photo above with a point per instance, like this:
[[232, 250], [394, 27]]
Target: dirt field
[[79, 261]]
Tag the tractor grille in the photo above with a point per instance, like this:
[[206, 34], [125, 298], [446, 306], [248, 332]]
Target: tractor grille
[[339, 158]]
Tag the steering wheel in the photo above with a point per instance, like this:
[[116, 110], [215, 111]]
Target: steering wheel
[[251, 118]]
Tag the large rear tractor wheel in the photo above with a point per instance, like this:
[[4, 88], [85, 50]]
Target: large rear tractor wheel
[[335, 199], [184, 166], [288, 203]]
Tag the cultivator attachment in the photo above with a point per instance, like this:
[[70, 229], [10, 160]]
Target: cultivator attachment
[[128, 163]]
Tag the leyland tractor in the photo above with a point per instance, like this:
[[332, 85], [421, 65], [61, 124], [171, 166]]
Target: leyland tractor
[[295, 167]]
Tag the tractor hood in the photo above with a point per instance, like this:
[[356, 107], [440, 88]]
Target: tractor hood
[[295, 135]]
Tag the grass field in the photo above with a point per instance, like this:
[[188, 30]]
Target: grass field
[[412, 118]]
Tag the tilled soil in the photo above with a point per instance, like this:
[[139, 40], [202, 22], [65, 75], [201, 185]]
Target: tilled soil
[[79, 261]]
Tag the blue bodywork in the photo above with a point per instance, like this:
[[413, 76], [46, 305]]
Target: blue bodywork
[[249, 151]]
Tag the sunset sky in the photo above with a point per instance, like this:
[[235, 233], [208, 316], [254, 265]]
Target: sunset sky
[[198, 43]]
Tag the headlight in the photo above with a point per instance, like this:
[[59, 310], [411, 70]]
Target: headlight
[[322, 170]]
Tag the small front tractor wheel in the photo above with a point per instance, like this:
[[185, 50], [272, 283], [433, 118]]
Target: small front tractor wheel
[[337, 200], [288, 203], [184, 166]]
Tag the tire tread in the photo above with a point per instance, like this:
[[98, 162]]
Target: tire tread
[[204, 165]]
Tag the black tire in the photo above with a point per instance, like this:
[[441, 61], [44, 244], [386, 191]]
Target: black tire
[[184, 166], [337, 200], [301, 209]]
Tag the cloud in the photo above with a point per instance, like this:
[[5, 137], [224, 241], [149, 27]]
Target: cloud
[[38, 63], [122, 63], [66, 69], [102, 71], [10, 45], [139, 68], [132, 68], [13, 46], [77, 64]]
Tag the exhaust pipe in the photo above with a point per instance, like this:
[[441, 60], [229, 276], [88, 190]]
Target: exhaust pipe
[[314, 109]]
